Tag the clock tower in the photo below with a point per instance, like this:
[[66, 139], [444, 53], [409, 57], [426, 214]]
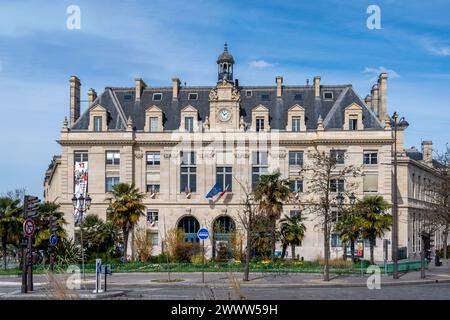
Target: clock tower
[[225, 98]]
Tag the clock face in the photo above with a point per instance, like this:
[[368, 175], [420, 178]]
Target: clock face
[[224, 115]]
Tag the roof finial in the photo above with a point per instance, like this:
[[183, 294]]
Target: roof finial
[[225, 47], [65, 127]]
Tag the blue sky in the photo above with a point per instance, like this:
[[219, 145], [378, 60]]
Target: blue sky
[[157, 40]]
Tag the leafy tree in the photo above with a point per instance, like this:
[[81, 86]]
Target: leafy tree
[[293, 231], [375, 221], [67, 252], [271, 192], [102, 238], [127, 209], [320, 198], [11, 221]]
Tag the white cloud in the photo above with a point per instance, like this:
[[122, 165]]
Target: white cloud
[[376, 72], [436, 47], [260, 64]]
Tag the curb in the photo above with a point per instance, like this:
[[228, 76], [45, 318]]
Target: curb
[[287, 285], [17, 295]]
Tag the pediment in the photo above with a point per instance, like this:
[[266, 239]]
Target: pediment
[[189, 108], [98, 108], [260, 108], [296, 107], [354, 107], [153, 109]]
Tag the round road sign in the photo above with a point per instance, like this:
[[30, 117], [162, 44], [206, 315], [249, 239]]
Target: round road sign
[[53, 239], [203, 234], [29, 227]]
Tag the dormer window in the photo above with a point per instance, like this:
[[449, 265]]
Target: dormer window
[[265, 97], [353, 124], [248, 93], [193, 96], [157, 96], [328, 95], [97, 123]]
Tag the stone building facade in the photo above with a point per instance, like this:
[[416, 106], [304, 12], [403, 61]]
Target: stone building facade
[[176, 142]]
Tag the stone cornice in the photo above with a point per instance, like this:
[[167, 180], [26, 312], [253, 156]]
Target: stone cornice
[[95, 142]]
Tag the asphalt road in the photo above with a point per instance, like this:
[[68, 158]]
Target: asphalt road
[[416, 292]]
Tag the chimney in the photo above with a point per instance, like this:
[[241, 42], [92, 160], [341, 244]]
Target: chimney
[[175, 88], [368, 101], [317, 87], [75, 85], [92, 95], [279, 81], [382, 107], [375, 100], [427, 152], [140, 86]]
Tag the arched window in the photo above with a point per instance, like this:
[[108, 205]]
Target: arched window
[[190, 226], [223, 226]]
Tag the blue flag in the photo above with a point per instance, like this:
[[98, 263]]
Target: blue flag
[[215, 190]]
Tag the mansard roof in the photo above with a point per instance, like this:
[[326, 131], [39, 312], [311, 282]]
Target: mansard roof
[[120, 104]]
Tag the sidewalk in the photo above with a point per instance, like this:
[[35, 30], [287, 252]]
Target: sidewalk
[[119, 282]]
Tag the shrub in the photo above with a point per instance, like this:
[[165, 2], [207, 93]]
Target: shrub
[[160, 258], [185, 250], [335, 263], [143, 243], [174, 237], [197, 258]]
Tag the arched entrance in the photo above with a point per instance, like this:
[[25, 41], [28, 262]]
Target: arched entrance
[[190, 226], [223, 227]]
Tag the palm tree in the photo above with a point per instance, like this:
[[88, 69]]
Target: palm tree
[[349, 229], [127, 209], [293, 231], [42, 221], [10, 223], [270, 194], [375, 221]]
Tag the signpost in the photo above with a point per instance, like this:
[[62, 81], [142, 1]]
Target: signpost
[[98, 276], [53, 240], [203, 234], [29, 227]]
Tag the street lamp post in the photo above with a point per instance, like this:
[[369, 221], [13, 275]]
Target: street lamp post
[[402, 124], [81, 205]]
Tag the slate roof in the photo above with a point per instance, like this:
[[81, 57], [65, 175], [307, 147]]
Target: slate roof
[[120, 104]]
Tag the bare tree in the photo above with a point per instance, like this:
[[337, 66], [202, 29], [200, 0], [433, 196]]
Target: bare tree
[[325, 176], [246, 215], [439, 196]]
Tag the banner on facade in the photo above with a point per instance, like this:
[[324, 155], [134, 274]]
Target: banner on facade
[[81, 183]]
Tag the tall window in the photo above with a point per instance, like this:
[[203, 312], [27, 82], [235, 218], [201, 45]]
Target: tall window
[[151, 188], [336, 240], [259, 166], [296, 158], [113, 157], [189, 124], [338, 156], [224, 177], [295, 213], [370, 157], [296, 124], [97, 124], [152, 216], [259, 124], [353, 124], [296, 185], [188, 179], [337, 185], [153, 158], [80, 157], [111, 182], [153, 124]]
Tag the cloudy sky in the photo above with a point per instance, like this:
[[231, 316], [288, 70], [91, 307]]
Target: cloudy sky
[[157, 40]]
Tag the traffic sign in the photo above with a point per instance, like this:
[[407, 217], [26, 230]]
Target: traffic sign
[[29, 227], [203, 234], [53, 239]]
